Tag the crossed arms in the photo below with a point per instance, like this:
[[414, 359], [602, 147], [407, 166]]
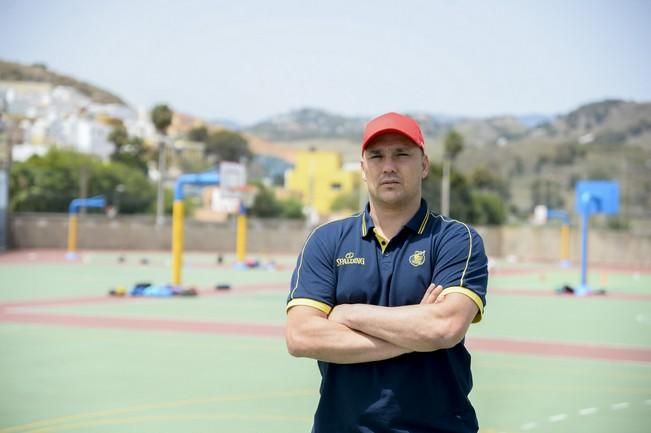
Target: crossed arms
[[354, 333]]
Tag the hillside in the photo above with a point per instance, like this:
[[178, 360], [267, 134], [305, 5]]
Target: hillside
[[539, 160], [603, 140], [10, 71], [610, 122], [538, 157]]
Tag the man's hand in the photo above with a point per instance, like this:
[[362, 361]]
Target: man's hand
[[431, 295]]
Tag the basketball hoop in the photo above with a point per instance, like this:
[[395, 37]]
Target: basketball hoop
[[246, 195]]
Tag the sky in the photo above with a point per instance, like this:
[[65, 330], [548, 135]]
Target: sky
[[247, 60]]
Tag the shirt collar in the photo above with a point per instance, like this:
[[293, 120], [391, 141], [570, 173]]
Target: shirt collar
[[417, 223]]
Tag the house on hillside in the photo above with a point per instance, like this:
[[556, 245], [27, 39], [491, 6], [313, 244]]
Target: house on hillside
[[59, 116]]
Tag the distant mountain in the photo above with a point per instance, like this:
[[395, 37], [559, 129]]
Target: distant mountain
[[10, 71], [312, 124], [534, 119], [225, 123], [607, 122], [611, 121], [307, 123]]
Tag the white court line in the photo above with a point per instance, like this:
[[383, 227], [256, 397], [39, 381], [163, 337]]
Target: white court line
[[528, 426], [644, 319], [617, 406], [557, 418], [588, 411]]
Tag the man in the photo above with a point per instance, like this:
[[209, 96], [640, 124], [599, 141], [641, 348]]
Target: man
[[383, 300]]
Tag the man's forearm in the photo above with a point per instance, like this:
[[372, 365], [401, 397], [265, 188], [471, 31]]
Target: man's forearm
[[319, 338], [422, 328]]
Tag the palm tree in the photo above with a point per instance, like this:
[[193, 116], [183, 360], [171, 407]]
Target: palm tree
[[453, 145], [161, 117]]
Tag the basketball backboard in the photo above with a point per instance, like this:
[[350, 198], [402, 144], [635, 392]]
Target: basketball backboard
[[597, 196], [232, 175]]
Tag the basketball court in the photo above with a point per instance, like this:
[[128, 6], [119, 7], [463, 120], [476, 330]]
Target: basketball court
[[76, 359]]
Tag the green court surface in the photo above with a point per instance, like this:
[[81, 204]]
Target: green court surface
[[77, 360]]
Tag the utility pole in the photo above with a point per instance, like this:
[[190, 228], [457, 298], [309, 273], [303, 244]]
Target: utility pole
[[161, 117], [445, 188], [7, 131], [160, 197], [452, 146]]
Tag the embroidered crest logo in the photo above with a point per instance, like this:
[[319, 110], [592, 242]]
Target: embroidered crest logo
[[350, 259], [417, 259]]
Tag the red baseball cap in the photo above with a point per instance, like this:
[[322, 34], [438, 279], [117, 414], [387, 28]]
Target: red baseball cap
[[393, 122]]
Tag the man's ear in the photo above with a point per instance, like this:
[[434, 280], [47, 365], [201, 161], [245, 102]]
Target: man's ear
[[425, 166]]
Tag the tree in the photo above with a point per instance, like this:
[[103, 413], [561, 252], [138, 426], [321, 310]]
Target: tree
[[128, 150], [199, 134], [346, 201], [292, 209], [452, 146], [488, 208], [161, 117], [461, 206], [227, 145], [486, 180], [547, 192], [119, 137], [48, 183], [479, 207], [265, 204]]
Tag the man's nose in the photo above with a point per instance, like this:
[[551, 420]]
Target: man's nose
[[389, 165]]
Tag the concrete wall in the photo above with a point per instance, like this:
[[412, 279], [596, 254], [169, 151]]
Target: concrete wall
[[38, 230]]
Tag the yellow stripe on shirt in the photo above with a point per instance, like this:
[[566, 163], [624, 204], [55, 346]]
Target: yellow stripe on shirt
[[472, 295], [309, 303]]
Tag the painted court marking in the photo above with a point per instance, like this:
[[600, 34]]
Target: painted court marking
[[643, 319], [110, 416], [530, 425], [588, 411], [501, 345], [23, 312]]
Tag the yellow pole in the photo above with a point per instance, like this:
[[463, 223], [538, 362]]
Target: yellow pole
[[241, 237], [565, 243], [177, 241], [72, 234]]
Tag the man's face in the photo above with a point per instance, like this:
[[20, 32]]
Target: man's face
[[393, 168]]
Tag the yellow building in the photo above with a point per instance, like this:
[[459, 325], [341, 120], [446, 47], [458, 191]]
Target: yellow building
[[319, 177]]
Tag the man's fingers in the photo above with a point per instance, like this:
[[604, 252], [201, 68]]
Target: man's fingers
[[431, 295], [439, 298], [435, 294], [428, 292]]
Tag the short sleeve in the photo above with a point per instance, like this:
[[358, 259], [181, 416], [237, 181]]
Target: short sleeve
[[313, 280], [461, 264]]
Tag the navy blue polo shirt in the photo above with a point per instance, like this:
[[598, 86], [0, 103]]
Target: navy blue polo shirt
[[346, 262]]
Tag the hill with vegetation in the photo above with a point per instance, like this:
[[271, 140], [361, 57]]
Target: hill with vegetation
[[529, 159], [537, 160], [10, 71]]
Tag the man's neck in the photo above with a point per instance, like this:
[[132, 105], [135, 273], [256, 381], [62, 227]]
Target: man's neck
[[389, 221]]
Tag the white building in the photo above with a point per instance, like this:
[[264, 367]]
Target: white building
[[64, 117]]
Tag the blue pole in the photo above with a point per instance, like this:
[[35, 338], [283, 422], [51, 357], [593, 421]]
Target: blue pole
[[586, 198], [583, 287], [207, 178]]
